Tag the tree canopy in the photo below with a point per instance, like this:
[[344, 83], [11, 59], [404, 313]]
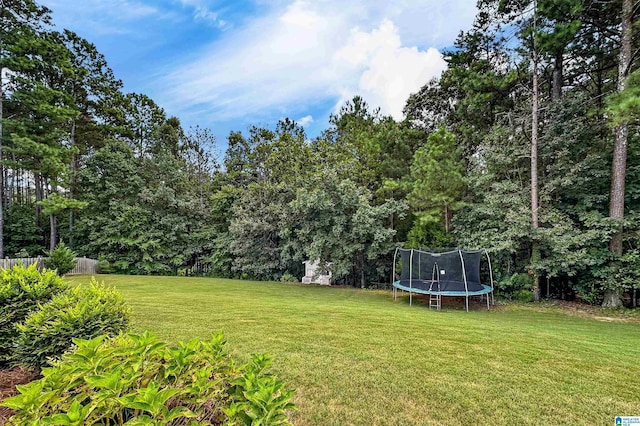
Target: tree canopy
[[527, 145]]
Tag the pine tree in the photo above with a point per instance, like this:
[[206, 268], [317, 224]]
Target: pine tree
[[437, 174]]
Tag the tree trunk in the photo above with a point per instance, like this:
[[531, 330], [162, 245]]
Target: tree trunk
[[200, 171], [1, 171], [613, 298], [556, 92], [52, 219], [446, 219], [52, 236], [72, 181], [37, 178], [535, 249], [52, 222], [362, 270], [6, 181]]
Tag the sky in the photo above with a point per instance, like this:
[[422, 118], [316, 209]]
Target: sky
[[227, 65]]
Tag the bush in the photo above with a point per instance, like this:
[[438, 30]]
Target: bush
[[62, 259], [523, 296], [623, 273], [104, 266], [517, 287], [21, 290], [587, 295], [81, 312], [288, 278], [137, 379], [22, 253]]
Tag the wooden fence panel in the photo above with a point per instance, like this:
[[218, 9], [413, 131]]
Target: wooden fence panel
[[84, 265], [26, 261]]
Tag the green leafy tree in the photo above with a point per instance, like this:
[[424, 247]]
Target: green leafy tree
[[335, 221], [256, 231]]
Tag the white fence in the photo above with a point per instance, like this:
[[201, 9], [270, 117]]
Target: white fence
[[84, 265]]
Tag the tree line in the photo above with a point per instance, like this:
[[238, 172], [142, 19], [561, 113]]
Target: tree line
[[527, 145]]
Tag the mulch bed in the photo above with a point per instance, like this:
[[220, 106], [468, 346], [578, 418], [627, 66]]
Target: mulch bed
[[9, 378]]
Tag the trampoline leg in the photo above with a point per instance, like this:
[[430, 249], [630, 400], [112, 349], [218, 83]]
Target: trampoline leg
[[410, 298], [487, 302], [466, 299]]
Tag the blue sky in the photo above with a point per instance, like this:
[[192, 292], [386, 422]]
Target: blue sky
[[227, 65]]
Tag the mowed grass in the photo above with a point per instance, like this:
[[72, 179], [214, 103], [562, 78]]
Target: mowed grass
[[359, 358]]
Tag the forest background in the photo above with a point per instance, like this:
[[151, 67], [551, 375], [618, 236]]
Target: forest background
[[527, 145]]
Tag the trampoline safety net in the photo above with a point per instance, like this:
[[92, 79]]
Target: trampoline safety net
[[453, 271]]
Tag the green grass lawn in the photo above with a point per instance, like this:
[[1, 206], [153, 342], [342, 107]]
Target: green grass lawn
[[358, 357]]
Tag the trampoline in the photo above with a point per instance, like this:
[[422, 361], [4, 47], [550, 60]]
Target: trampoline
[[454, 273]]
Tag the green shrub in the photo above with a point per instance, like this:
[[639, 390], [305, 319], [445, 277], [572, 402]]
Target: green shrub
[[104, 266], [83, 312], [258, 398], [21, 290], [62, 259], [523, 296], [288, 278], [590, 296], [623, 274], [516, 287], [22, 253], [137, 379]]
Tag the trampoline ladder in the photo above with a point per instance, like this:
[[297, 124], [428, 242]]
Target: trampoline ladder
[[435, 300]]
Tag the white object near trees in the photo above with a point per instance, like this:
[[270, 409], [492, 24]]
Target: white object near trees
[[314, 275]]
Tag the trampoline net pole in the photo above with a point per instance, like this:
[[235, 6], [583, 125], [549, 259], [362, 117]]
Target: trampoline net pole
[[493, 300], [393, 274], [464, 277], [435, 277], [411, 278]]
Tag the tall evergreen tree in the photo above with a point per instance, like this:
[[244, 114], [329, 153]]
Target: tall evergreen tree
[[437, 174], [20, 20], [619, 163]]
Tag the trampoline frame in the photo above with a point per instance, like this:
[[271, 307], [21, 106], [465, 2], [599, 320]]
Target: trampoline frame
[[487, 290]]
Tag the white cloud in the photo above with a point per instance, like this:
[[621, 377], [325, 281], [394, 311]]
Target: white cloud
[[304, 121], [203, 13], [313, 51], [391, 72]]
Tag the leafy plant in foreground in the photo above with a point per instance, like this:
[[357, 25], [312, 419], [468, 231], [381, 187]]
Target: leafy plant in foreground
[[81, 313], [21, 290], [139, 380], [258, 398]]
